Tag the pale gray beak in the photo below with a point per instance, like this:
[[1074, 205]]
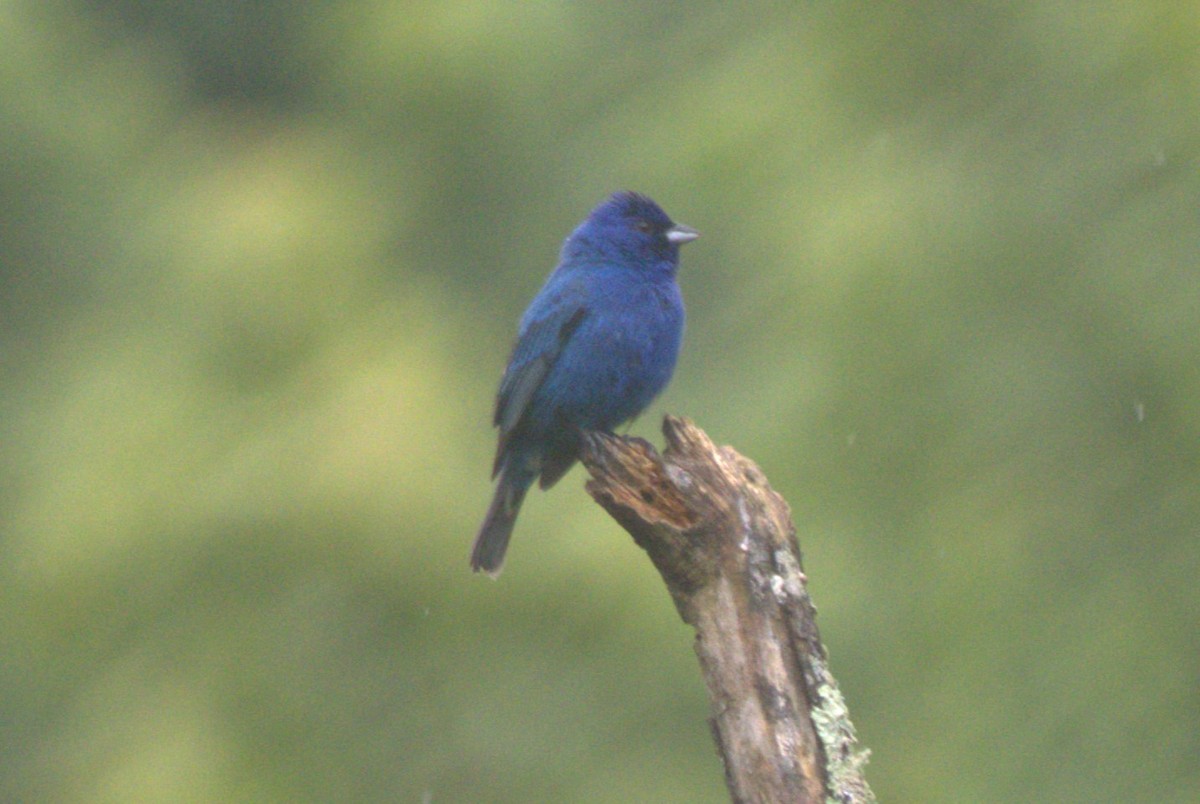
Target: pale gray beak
[[679, 234]]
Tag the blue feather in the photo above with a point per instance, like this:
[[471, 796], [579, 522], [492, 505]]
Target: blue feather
[[598, 343]]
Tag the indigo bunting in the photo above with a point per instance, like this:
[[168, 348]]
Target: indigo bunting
[[595, 346]]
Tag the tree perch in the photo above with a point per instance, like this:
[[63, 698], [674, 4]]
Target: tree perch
[[726, 547]]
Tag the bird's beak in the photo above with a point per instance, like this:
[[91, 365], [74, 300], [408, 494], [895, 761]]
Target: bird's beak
[[679, 234]]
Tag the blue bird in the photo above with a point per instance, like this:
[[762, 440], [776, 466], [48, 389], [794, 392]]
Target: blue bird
[[596, 345]]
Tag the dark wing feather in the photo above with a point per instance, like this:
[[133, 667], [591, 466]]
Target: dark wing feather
[[555, 465], [536, 351]]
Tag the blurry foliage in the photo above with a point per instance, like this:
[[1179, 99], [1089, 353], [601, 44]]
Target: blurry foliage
[[261, 266]]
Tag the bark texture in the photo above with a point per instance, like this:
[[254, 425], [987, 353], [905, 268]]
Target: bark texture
[[724, 543]]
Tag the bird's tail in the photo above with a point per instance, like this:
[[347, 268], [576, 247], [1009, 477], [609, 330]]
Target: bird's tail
[[490, 545]]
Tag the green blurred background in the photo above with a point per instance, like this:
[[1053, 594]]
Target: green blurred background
[[262, 265]]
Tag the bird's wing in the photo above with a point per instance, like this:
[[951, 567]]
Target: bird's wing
[[537, 349]]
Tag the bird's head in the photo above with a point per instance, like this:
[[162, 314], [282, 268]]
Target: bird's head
[[629, 227]]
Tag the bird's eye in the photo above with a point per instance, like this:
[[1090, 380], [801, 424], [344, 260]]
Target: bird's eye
[[643, 226]]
